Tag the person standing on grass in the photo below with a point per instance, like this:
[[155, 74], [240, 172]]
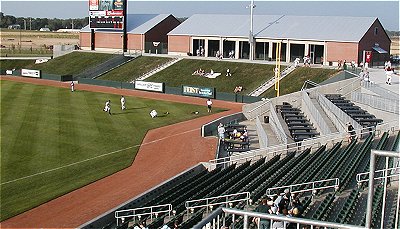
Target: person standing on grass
[[107, 107], [209, 105], [72, 86], [123, 103]]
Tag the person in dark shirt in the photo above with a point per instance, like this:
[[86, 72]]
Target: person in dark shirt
[[263, 208], [351, 132]]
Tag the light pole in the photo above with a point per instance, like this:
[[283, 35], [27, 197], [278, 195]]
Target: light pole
[[251, 35], [24, 24]]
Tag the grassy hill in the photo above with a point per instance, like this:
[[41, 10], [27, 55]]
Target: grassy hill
[[54, 141], [247, 75], [134, 69], [70, 64], [295, 80]]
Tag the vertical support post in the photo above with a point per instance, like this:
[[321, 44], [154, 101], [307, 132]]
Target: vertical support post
[[125, 34], [245, 221], [92, 39], [370, 190], [251, 35], [384, 191]]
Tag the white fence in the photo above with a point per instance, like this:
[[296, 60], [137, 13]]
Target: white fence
[[277, 126], [315, 186], [262, 135], [338, 117], [384, 104], [145, 211], [258, 110], [311, 111], [210, 203], [381, 91]]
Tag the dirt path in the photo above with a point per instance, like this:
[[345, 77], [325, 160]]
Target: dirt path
[[155, 162]]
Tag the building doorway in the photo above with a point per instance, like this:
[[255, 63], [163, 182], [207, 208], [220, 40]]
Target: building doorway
[[213, 47], [283, 51], [297, 51], [244, 50], [229, 49], [262, 49], [316, 54], [198, 45]]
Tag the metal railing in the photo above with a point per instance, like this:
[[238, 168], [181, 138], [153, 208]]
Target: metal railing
[[311, 111], [262, 135], [276, 125], [258, 110], [313, 143], [157, 69], [351, 87], [338, 117], [209, 203], [384, 93], [315, 186], [391, 172], [139, 212], [215, 218], [385, 104]]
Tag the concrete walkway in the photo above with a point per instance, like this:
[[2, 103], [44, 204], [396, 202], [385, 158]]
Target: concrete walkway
[[378, 77]]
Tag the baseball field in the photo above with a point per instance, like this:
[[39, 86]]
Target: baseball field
[[54, 141]]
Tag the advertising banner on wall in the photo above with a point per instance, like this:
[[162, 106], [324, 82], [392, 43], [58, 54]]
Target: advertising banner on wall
[[149, 86], [30, 73], [205, 92], [368, 56], [106, 14]]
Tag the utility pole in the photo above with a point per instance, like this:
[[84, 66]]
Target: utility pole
[[30, 23], [72, 23], [24, 24], [251, 35]]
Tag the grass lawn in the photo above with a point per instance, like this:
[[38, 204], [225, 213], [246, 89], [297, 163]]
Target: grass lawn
[[17, 64], [249, 76], [134, 69], [44, 128], [295, 80], [73, 63]]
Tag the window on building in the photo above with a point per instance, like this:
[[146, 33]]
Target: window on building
[[376, 31]]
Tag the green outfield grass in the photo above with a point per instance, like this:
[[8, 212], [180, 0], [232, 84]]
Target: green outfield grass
[[134, 69], [44, 128], [247, 75], [295, 80], [17, 64]]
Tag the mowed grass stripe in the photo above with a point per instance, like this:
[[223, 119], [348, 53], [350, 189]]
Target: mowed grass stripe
[[26, 139]]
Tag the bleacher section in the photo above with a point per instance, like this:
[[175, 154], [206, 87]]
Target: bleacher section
[[361, 116], [299, 126], [344, 204]]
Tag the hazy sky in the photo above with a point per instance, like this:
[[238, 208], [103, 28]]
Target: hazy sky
[[386, 11]]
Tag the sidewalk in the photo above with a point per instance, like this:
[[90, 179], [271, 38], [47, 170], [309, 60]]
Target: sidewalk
[[378, 77]]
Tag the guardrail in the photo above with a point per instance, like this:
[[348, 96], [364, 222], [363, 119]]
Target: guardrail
[[311, 111], [313, 143], [315, 186], [381, 91], [262, 135], [385, 104], [258, 110], [215, 218], [209, 203], [139, 212], [276, 125], [391, 172]]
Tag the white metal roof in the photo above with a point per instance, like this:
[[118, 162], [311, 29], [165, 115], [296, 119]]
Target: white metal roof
[[136, 23], [321, 28]]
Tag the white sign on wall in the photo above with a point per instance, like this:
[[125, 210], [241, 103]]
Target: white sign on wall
[[149, 86], [30, 73]]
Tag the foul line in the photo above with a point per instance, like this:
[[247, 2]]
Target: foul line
[[89, 159]]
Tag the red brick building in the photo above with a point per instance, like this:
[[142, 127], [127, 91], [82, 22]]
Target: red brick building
[[145, 32], [325, 39]]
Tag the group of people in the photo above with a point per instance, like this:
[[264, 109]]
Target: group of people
[[107, 107], [200, 51], [364, 76], [285, 204], [307, 61], [238, 89], [199, 72], [219, 55]]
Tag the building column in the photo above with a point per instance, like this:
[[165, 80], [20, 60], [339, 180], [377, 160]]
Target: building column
[[221, 45], [306, 49], [287, 52], [270, 47], [237, 48], [205, 47]]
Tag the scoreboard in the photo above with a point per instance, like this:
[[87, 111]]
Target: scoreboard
[[106, 14]]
